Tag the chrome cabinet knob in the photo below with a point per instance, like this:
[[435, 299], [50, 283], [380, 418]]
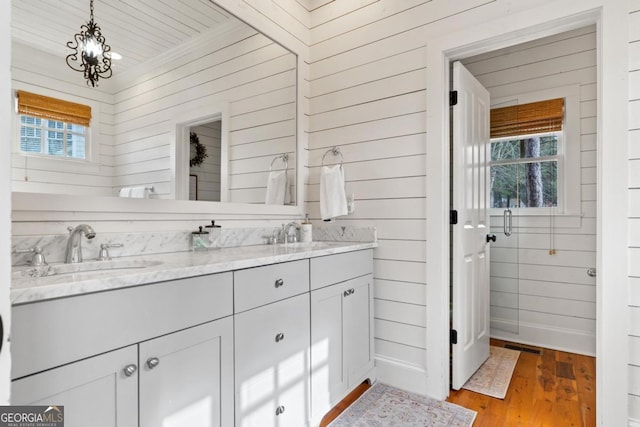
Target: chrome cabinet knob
[[279, 283], [152, 362], [130, 370], [280, 410], [279, 337]]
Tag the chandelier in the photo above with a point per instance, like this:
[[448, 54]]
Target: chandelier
[[91, 55]]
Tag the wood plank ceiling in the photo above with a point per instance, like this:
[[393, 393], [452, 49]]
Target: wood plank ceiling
[[136, 29]]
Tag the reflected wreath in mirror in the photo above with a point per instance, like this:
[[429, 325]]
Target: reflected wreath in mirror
[[198, 151]]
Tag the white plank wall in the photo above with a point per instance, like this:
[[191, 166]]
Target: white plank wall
[[634, 212], [208, 172], [537, 298], [42, 175]]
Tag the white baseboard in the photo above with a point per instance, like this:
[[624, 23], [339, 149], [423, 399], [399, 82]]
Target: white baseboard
[[634, 423], [401, 375], [543, 336]]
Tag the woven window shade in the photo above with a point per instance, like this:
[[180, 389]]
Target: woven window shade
[[535, 117], [54, 109]]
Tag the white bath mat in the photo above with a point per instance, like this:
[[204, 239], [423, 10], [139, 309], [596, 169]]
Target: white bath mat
[[494, 376]]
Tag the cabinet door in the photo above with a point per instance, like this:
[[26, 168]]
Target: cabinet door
[[186, 378], [358, 328], [94, 392], [341, 340], [328, 376]]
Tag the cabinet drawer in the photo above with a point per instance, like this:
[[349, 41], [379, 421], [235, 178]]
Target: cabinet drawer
[[284, 405], [331, 269], [272, 338], [258, 286]]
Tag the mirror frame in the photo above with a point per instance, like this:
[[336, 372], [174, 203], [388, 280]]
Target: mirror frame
[[127, 209]]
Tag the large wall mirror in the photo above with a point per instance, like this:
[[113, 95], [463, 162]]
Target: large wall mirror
[[188, 68]]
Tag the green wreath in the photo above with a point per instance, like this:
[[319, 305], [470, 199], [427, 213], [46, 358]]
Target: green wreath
[[201, 150]]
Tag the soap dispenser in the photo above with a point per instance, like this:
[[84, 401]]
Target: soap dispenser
[[199, 240], [305, 230]]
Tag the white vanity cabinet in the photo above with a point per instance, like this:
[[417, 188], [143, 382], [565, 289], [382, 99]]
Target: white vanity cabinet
[[146, 355], [275, 345], [272, 345], [341, 327]]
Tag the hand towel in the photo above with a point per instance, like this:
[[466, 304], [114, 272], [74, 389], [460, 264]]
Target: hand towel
[[137, 192], [277, 188], [333, 201], [125, 192]]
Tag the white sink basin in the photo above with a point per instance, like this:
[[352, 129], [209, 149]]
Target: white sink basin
[[83, 267]]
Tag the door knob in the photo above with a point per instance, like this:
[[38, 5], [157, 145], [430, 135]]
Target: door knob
[[491, 238]]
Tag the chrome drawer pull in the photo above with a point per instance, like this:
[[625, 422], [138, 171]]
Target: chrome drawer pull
[[279, 283], [152, 362], [130, 370], [280, 410], [279, 337]]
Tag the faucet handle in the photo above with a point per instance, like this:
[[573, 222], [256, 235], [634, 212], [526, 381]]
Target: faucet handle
[[103, 255], [37, 259]]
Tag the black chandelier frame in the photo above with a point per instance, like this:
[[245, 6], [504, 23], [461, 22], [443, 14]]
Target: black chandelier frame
[[93, 67]]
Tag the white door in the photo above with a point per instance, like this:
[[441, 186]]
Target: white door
[[470, 263]]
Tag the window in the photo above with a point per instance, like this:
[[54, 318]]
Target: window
[[526, 155], [524, 171], [53, 127]]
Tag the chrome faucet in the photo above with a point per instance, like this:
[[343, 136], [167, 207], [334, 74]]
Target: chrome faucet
[[74, 244], [285, 231]]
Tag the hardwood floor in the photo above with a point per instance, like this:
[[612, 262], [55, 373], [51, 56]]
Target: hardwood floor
[[550, 389], [553, 388]]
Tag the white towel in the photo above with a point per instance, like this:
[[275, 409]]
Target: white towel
[[333, 201], [137, 192], [277, 188]]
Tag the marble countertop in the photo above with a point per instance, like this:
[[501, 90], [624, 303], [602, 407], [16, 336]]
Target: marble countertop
[[140, 270]]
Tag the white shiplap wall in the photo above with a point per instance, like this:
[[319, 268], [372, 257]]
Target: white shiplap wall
[[537, 298], [634, 213]]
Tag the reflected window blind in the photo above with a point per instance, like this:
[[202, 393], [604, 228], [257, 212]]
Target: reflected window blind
[[55, 109], [524, 119]]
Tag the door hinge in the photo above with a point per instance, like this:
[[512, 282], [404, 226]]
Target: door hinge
[[453, 98], [453, 217], [454, 336]]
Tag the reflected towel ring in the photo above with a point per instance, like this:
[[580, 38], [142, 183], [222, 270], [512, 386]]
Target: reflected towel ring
[[285, 159], [336, 152]]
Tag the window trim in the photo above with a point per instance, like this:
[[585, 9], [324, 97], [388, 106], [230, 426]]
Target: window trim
[[569, 148]]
